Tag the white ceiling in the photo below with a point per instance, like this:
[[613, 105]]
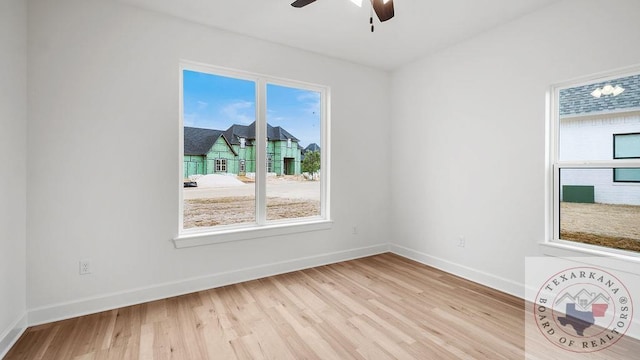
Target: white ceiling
[[340, 29]]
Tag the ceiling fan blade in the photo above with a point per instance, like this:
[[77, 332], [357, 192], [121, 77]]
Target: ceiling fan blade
[[301, 3], [384, 11]]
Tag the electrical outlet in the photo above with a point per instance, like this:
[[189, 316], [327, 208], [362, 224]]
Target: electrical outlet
[[85, 267], [462, 242]]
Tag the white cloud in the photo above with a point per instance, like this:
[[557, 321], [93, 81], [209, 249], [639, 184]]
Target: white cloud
[[202, 105], [239, 112], [311, 101]]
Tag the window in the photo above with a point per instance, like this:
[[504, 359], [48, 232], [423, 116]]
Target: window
[[626, 146], [596, 191], [269, 164], [254, 129], [221, 165]]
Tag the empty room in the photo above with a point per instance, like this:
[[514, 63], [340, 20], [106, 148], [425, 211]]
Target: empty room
[[329, 179]]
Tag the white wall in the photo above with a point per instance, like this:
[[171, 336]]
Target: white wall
[[591, 138], [103, 149], [13, 196], [474, 118]]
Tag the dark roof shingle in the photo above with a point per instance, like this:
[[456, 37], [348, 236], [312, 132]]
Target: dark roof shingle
[[312, 147], [199, 141], [579, 101]]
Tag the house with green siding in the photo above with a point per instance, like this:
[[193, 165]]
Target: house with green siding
[[232, 151]]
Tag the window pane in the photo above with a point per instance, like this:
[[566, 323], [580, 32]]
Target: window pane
[[590, 115], [293, 152], [626, 146], [626, 175], [593, 210], [218, 112]]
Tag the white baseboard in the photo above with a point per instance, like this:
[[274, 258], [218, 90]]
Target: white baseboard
[[161, 291], [496, 282], [111, 301], [11, 335]]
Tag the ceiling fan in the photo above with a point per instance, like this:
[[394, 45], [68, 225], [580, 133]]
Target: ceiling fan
[[383, 8]]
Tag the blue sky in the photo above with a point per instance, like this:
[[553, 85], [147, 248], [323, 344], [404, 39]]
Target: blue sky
[[217, 102]]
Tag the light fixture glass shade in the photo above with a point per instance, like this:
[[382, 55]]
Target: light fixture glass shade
[[618, 90], [607, 90]]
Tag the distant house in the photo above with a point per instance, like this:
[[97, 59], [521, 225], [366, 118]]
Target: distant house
[[232, 151], [310, 148], [601, 126]]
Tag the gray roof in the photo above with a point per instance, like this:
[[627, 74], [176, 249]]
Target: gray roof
[[199, 141], [235, 132], [278, 133], [312, 147], [579, 101]]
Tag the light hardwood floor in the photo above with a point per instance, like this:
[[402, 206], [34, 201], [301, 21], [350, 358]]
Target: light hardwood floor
[[379, 307]]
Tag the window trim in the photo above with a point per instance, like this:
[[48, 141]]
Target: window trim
[[261, 227], [614, 146], [615, 180], [553, 166], [220, 165]]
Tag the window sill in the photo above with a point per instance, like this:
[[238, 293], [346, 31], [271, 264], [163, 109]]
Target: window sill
[[216, 237], [624, 261]]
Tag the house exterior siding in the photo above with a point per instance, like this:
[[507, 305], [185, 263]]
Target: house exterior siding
[[193, 164], [591, 138], [221, 150], [283, 152], [589, 119], [286, 159]]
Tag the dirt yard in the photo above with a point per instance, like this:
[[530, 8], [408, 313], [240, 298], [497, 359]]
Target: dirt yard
[[616, 226], [287, 198], [237, 210]]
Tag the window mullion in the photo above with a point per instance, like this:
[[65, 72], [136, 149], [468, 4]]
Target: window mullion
[[598, 164], [217, 146], [324, 157], [261, 153], [556, 202]]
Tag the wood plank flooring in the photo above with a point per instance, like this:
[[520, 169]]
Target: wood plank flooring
[[379, 307]]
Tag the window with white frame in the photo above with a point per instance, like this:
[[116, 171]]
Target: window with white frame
[[250, 125], [626, 146], [269, 164], [596, 191], [221, 165]]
